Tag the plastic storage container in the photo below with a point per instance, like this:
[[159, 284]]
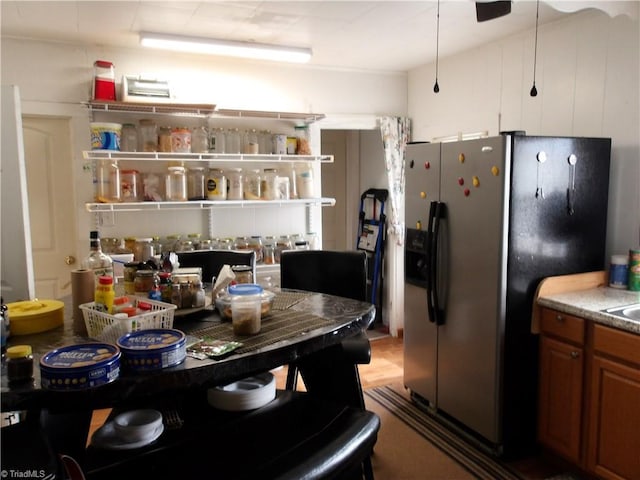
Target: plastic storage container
[[618, 271], [196, 184], [130, 186], [246, 302], [104, 80], [148, 135]]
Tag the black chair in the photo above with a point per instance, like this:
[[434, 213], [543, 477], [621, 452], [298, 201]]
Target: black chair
[[211, 261], [341, 273]]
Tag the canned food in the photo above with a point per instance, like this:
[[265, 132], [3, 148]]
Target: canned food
[[152, 349], [634, 270], [77, 367]]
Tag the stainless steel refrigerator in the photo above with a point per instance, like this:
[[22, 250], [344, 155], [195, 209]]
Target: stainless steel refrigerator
[[498, 215]]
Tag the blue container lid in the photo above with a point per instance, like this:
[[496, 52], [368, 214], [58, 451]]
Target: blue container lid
[[152, 340], [245, 289], [80, 357]]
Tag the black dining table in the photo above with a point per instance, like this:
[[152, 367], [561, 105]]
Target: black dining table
[[303, 327]]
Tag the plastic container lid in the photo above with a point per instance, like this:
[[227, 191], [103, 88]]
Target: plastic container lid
[[619, 259], [19, 351], [245, 289]]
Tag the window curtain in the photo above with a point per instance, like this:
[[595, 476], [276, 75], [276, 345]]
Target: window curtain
[[395, 135]]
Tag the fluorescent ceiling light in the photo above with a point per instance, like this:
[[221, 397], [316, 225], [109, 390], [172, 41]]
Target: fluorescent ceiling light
[[230, 48]]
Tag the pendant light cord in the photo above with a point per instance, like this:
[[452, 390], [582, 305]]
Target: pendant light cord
[[534, 90], [436, 87]]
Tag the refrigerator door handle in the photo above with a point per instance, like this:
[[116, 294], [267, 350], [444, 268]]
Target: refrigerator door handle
[[440, 212], [430, 264]]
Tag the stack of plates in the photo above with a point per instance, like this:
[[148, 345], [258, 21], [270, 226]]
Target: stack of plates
[[246, 394]]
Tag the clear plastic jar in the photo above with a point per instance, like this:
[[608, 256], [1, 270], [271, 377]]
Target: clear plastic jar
[[196, 184], [252, 185], [129, 138], [130, 187], [164, 139], [148, 135], [176, 185], [181, 140], [243, 273], [304, 182], [199, 140], [235, 184], [216, 185], [265, 146], [144, 249], [269, 184], [107, 182], [232, 141], [246, 304]]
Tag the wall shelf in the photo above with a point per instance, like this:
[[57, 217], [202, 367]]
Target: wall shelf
[[204, 157], [204, 205], [197, 110]]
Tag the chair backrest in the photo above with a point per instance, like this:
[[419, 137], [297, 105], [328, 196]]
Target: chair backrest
[[211, 261], [342, 273]]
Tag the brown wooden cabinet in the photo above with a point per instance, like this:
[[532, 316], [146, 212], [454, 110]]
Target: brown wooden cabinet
[[589, 395], [561, 384], [614, 417]]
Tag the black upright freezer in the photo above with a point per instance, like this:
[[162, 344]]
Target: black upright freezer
[[499, 215]]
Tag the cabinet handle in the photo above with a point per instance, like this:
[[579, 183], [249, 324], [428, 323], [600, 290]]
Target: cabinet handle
[[559, 318], [575, 354]]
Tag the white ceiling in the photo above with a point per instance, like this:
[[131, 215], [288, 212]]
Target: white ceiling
[[370, 35]]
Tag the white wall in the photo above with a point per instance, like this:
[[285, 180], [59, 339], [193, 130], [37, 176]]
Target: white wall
[[587, 81], [54, 78]]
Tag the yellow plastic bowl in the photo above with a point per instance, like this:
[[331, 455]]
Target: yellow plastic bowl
[[35, 316]]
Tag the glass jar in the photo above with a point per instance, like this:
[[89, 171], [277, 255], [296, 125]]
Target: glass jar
[[265, 146], [216, 185], [206, 244], [165, 286], [255, 244], [144, 282], [152, 187], [176, 185], [130, 270], [250, 145], [107, 182], [269, 252], [217, 140], [104, 80], [170, 243], [129, 138], [199, 140], [235, 184], [283, 188], [185, 245], [195, 240], [144, 250], [284, 243], [181, 140], [252, 185], [303, 147], [241, 243], [232, 141], [130, 187], [196, 184], [164, 139], [269, 184], [148, 135], [243, 273], [19, 362]]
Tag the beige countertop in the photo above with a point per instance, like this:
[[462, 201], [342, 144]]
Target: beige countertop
[[591, 303]]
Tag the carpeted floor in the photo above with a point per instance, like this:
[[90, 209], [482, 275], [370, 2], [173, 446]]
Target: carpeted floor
[[413, 446]]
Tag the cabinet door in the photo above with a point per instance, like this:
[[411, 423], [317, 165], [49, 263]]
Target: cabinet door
[[614, 419], [560, 397]]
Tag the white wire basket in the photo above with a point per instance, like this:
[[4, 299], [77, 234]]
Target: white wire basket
[[108, 328]]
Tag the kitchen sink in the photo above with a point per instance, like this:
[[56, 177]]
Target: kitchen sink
[[630, 312]]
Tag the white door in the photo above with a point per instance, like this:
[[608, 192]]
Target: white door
[[48, 158]]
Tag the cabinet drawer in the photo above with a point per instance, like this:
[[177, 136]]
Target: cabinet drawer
[[623, 345], [562, 325]]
